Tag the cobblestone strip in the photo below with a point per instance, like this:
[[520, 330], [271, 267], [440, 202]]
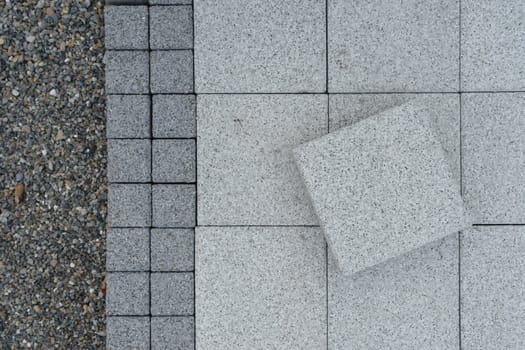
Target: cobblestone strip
[[151, 131]]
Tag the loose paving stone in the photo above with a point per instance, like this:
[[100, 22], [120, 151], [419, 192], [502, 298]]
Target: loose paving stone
[[128, 116], [253, 46], [127, 293], [129, 205], [172, 71], [381, 187], [395, 47], [127, 249], [492, 285], [406, 303], [129, 160], [172, 249], [127, 72], [172, 293], [172, 333], [174, 205], [442, 109], [260, 288], [174, 116], [492, 45], [171, 27], [174, 161], [128, 333], [246, 173], [126, 27], [493, 126]]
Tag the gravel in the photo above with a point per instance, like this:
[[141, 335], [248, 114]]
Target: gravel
[[52, 162]]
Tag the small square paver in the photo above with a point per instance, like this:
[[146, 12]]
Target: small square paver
[[129, 205], [129, 160], [493, 149], [172, 71], [410, 302], [492, 285], [126, 27], [170, 2], [381, 187], [376, 46], [127, 293], [171, 27], [260, 46], [127, 72], [127, 333], [127, 249], [260, 288], [172, 249], [246, 173], [172, 333], [174, 205], [174, 116], [172, 294], [174, 161], [492, 45], [128, 116]]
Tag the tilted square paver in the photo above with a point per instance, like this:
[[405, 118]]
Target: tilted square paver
[[381, 187], [171, 27], [173, 205], [128, 116], [376, 46], [129, 160], [493, 145], [246, 173], [172, 333], [172, 71], [172, 249], [492, 285], [126, 27], [174, 116], [127, 293], [492, 45], [129, 205], [127, 249], [172, 293], [127, 72], [174, 161], [410, 302], [260, 288], [253, 46], [127, 333]]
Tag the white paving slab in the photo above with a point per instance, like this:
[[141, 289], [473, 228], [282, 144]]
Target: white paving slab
[[260, 288], [381, 187], [260, 46], [246, 174]]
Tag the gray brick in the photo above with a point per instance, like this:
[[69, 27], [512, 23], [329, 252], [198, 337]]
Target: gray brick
[[174, 160], [170, 2], [128, 116], [127, 293], [172, 293], [127, 72], [129, 205], [413, 47], [126, 27], [129, 160], [127, 249], [172, 249], [127, 333], [172, 333], [171, 27], [172, 71], [174, 116], [173, 205], [126, 2]]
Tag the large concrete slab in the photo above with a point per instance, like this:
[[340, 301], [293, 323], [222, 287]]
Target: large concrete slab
[[381, 187], [260, 46], [246, 174], [493, 126], [260, 288], [393, 46], [492, 288], [407, 303]]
